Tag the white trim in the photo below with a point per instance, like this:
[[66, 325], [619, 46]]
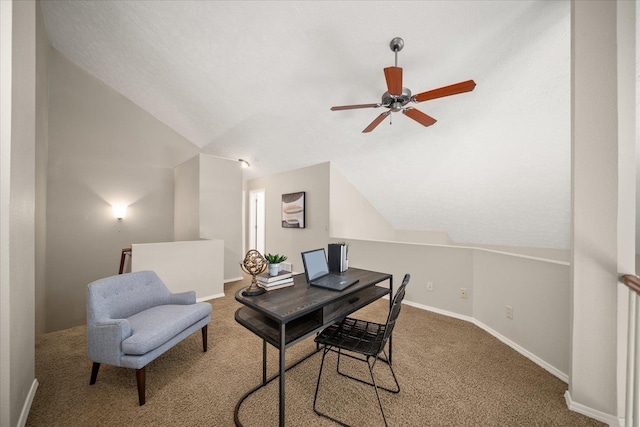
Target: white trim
[[535, 359], [440, 311], [24, 414], [609, 419], [6, 55], [210, 297], [534, 258]]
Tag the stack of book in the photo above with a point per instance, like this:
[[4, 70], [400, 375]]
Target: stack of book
[[337, 255], [269, 283]]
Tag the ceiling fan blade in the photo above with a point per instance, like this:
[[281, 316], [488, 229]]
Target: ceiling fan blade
[[376, 122], [353, 107], [453, 89], [419, 116], [394, 80]]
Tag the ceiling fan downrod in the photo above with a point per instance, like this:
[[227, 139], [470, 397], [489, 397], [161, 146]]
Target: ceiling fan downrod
[[396, 46]]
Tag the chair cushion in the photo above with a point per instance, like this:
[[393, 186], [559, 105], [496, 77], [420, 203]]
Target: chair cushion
[[153, 327]]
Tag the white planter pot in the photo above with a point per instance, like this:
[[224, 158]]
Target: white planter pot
[[274, 269]]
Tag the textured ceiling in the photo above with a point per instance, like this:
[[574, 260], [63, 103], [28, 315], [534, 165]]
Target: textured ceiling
[[256, 79]]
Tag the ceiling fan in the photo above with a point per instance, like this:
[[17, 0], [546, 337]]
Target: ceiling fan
[[397, 97]]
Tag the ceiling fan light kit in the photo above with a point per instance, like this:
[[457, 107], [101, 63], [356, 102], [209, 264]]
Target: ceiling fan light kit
[[397, 97]]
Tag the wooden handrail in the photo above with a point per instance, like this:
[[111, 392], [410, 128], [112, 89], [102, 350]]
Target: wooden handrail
[[125, 252], [632, 281]]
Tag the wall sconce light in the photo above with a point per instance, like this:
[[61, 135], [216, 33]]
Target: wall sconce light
[[244, 163], [119, 210]]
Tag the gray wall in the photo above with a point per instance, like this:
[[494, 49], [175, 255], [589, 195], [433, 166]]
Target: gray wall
[[186, 200], [595, 207], [351, 214], [538, 291], [17, 208], [42, 141], [221, 209], [314, 180], [103, 149], [448, 268], [208, 205]]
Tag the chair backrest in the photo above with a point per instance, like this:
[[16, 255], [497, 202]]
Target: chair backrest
[[120, 296], [396, 305]]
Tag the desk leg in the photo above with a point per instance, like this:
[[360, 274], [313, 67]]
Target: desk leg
[[390, 305], [264, 362], [282, 372]]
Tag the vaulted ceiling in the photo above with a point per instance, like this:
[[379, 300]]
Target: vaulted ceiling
[[256, 79]]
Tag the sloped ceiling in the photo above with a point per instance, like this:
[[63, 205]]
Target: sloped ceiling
[[256, 79]]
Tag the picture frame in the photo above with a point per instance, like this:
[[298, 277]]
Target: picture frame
[[293, 210]]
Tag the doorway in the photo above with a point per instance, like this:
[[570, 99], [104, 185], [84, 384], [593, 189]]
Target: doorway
[[256, 220]]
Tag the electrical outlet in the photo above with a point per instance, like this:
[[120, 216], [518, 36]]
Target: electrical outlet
[[430, 286], [463, 292], [509, 312]]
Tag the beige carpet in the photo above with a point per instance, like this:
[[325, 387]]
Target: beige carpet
[[451, 373]]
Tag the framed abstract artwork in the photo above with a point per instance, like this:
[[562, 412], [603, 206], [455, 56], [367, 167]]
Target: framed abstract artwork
[[293, 210]]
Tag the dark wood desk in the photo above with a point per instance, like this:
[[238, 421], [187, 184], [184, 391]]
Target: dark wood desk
[[286, 316]]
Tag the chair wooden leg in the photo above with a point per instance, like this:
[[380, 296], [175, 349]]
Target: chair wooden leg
[[94, 373], [140, 377], [204, 338]]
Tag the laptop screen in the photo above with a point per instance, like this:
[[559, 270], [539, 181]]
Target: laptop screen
[[315, 264]]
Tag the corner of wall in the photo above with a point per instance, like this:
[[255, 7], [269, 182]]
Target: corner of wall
[[351, 215]]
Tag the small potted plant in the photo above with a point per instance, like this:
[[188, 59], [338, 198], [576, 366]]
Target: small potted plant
[[274, 263]]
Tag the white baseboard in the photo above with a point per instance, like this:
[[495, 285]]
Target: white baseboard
[[210, 297], [233, 279], [535, 359], [440, 311], [24, 414], [609, 419]]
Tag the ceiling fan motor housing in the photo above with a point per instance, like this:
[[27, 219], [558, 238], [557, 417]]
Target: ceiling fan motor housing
[[396, 102]]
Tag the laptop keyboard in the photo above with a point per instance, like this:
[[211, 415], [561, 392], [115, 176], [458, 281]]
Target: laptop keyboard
[[328, 280]]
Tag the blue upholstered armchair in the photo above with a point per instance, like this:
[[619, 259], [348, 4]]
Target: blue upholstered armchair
[[133, 318]]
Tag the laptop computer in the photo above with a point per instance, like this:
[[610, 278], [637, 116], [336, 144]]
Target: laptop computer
[[316, 270]]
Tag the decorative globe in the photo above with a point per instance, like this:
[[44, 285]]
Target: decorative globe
[[253, 264]]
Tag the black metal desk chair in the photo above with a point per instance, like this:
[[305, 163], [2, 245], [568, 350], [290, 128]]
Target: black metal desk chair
[[363, 338]]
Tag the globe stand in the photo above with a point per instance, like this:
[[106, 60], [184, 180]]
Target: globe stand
[[253, 290], [253, 264]]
